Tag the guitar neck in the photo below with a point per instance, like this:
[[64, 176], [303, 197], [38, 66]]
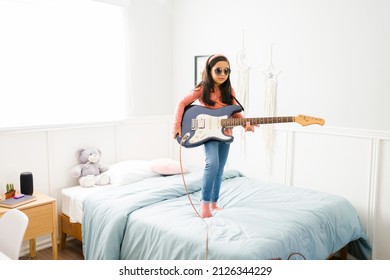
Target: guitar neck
[[230, 122]]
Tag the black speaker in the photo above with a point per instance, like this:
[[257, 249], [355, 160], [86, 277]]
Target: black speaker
[[26, 183]]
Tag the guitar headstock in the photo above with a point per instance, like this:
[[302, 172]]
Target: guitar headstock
[[307, 120]]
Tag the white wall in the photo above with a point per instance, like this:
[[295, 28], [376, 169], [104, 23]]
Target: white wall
[[333, 54], [151, 55], [334, 62]]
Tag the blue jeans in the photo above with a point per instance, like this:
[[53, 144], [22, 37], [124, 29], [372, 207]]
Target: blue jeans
[[216, 154]]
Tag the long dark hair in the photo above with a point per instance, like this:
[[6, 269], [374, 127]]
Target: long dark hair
[[208, 83]]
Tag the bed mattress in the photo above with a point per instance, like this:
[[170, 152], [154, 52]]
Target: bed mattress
[[121, 173], [73, 199]]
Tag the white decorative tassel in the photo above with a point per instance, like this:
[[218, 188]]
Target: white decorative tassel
[[243, 88], [270, 111]]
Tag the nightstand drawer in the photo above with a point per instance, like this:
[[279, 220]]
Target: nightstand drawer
[[40, 220]]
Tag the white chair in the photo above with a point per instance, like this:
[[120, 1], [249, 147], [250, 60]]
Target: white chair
[[13, 225]]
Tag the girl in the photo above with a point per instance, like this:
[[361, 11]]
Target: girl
[[214, 91]]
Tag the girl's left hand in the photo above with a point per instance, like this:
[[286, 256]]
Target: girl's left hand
[[249, 127]]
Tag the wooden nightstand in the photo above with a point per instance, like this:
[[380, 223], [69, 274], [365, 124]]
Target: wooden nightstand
[[42, 215]]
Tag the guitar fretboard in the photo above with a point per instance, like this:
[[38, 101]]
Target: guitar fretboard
[[229, 122]]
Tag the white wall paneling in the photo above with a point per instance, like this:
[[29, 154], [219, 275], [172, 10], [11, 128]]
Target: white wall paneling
[[381, 216], [351, 163], [49, 153]]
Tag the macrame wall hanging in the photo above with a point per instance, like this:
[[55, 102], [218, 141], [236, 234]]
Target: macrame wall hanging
[[270, 98], [243, 86]]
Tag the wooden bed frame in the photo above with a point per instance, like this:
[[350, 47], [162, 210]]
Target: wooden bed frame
[[67, 228], [74, 230]]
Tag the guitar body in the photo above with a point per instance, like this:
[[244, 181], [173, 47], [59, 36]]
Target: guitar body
[[201, 124]]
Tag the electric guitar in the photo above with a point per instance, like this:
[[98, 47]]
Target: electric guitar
[[201, 124]]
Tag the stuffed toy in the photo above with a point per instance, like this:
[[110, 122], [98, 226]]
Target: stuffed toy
[[90, 171]]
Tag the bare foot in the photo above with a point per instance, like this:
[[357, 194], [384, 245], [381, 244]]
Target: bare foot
[[205, 211], [214, 206]]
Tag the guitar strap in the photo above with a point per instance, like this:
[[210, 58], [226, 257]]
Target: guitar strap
[[242, 107], [239, 103]]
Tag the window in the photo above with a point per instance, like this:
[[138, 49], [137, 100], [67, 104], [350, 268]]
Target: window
[[63, 61]]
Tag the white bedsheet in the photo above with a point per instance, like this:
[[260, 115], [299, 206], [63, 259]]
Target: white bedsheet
[[73, 199], [120, 173]]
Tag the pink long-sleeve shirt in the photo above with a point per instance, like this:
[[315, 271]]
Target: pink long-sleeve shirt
[[196, 94]]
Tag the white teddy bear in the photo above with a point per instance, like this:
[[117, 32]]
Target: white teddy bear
[[89, 171]]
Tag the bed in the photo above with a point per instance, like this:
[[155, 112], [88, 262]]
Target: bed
[[150, 217]]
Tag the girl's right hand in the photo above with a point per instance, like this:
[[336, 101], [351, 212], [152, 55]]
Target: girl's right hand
[[176, 131]]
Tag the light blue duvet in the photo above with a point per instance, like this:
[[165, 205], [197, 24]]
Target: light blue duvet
[[153, 219]]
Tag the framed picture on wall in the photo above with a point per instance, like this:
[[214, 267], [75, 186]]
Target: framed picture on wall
[[200, 61]]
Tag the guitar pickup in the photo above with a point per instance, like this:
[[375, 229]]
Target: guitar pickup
[[194, 124], [201, 123], [198, 124]]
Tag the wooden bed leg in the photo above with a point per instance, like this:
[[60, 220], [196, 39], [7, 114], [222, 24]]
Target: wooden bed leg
[[341, 254], [63, 240], [68, 229], [62, 234], [344, 252]]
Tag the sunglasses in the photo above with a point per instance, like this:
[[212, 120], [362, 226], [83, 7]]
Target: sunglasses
[[218, 71]]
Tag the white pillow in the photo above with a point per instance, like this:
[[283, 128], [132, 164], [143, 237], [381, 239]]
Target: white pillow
[[166, 166], [129, 171]]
